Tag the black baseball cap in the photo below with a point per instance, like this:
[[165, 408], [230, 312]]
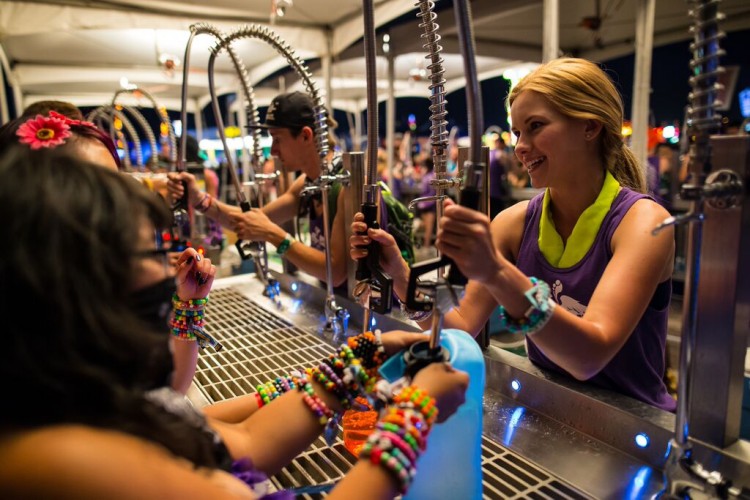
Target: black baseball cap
[[292, 110]]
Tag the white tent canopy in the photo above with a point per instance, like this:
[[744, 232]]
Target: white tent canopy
[[80, 51]]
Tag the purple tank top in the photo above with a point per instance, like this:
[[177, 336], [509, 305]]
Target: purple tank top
[[637, 370]]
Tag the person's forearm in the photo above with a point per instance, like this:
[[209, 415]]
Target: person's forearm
[[233, 410], [274, 436], [313, 262], [366, 481], [221, 212], [401, 281], [185, 359]]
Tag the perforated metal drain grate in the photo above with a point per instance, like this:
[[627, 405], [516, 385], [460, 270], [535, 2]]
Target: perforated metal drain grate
[[259, 346]]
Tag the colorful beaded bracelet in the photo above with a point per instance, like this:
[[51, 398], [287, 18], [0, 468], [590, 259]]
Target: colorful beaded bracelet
[[419, 400], [204, 204], [538, 314]]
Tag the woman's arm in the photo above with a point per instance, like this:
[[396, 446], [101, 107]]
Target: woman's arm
[[51, 463], [195, 276], [640, 261], [272, 436], [477, 304], [581, 346], [284, 208]]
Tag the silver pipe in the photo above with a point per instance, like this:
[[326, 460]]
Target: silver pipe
[[146, 127], [251, 109], [241, 198], [108, 111], [473, 94], [550, 30], [324, 189], [438, 128], [390, 115], [321, 114], [161, 111], [642, 83], [702, 123], [371, 163]]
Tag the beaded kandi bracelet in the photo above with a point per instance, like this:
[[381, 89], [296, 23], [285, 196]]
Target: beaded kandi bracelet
[[326, 417], [537, 315], [416, 398], [204, 204], [399, 439], [187, 322]]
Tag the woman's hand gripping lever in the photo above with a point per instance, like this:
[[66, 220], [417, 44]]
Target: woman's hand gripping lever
[[442, 294], [374, 289], [181, 226]]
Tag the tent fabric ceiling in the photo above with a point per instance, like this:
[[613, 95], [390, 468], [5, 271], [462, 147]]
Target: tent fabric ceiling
[[79, 50]]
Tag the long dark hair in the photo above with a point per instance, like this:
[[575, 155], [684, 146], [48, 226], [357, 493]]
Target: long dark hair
[[81, 355]]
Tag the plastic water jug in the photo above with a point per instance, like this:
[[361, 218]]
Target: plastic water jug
[[451, 466]]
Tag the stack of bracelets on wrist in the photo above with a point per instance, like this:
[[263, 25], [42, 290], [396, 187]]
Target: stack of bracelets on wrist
[[538, 314], [187, 322], [204, 204], [350, 372], [401, 435]]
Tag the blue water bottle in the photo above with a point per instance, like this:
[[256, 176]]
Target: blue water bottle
[[451, 466]]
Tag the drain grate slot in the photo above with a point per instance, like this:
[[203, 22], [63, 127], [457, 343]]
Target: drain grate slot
[[259, 346]]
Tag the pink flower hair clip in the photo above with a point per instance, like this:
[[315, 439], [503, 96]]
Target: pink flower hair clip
[[71, 121], [43, 132]]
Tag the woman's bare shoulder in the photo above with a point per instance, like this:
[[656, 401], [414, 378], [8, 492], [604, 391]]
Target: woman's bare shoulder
[[507, 229]]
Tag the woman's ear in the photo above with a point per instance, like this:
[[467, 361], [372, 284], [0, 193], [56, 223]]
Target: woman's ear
[[592, 129]]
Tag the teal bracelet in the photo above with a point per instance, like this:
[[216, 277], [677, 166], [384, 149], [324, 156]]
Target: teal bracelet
[[284, 245], [538, 314]]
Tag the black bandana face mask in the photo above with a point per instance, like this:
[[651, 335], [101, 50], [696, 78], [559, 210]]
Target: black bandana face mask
[[153, 303]]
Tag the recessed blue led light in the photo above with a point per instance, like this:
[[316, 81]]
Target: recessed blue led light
[[641, 440], [295, 286], [373, 323], [515, 385]]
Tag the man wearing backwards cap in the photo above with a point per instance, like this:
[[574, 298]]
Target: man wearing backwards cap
[[290, 120]]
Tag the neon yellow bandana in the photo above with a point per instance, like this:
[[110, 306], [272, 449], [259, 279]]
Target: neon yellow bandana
[[585, 231]]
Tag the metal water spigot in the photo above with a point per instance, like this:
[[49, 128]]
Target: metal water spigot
[[677, 220], [337, 318], [438, 198], [272, 290], [259, 252], [441, 184], [687, 477]]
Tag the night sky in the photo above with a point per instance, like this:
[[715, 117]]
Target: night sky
[[669, 81]]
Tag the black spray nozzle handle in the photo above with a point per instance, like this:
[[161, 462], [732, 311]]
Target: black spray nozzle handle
[[370, 211], [246, 249], [417, 271], [182, 202], [420, 355], [369, 269], [381, 291], [470, 198], [181, 221]]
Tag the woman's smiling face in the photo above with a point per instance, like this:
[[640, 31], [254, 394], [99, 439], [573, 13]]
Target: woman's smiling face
[[549, 143]]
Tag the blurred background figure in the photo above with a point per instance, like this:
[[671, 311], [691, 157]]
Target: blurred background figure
[[500, 165], [426, 209]]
